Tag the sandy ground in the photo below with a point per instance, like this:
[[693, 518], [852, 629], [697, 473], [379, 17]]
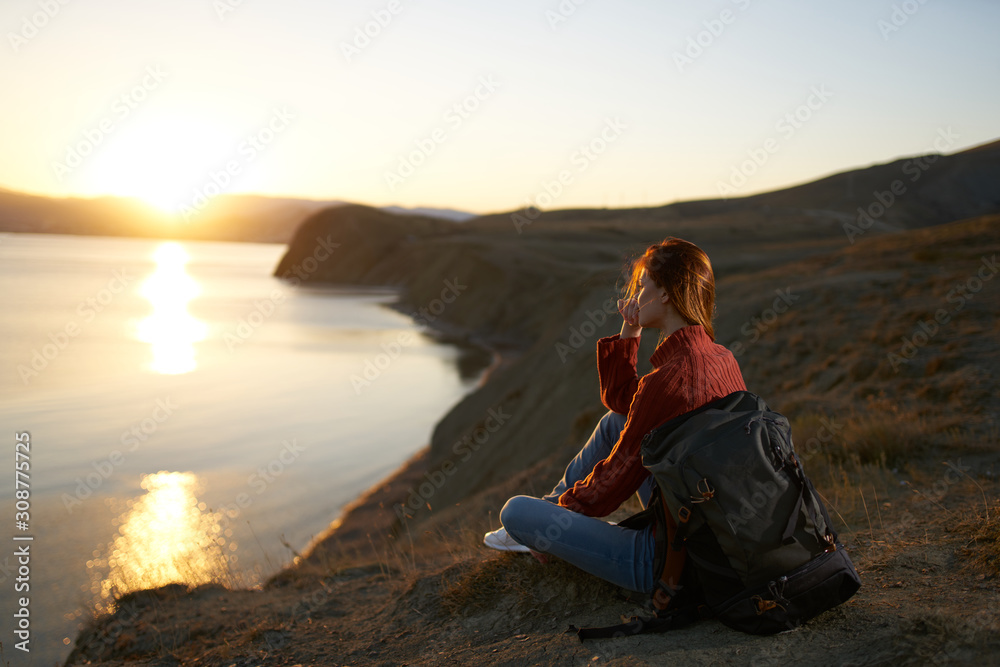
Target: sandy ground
[[921, 603], [378, 590]]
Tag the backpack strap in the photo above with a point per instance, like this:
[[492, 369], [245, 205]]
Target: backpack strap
[[662, 622], [670, 553], [677, 604], [793, 519], [814, 508], [817, 511], [688, 521]]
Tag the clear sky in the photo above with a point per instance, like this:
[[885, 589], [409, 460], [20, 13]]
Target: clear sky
[[601, 103]]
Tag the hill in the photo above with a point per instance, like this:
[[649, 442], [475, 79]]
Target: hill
[[530, 288], [245, 218], [881, 349]]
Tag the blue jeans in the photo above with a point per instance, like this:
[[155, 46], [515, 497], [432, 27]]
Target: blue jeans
[[620, 555]]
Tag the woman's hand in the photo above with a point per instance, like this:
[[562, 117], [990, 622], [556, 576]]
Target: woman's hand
[[629, 310]]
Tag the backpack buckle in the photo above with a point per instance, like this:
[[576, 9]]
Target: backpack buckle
[[705, 489], [664, 593], [684, 514], [761, 605]]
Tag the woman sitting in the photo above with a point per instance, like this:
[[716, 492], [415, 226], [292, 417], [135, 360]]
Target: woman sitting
[[671, 288]]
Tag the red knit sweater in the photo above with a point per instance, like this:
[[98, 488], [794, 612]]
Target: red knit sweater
[[689, 371]]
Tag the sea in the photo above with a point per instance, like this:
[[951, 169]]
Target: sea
[[171, 412]]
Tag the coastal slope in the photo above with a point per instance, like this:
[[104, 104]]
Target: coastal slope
[[539, 289], [880, 348]]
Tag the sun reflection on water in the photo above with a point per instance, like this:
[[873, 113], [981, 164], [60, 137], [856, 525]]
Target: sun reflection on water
[[171, 329], [165, 537]]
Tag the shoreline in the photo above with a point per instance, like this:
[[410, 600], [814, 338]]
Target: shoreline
[[372, 513], [436, 595]]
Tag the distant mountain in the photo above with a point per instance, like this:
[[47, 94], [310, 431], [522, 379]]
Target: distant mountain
[[989, 146], [539, 289], [250, 218], [443, 213], [518, 256], [906, 193]]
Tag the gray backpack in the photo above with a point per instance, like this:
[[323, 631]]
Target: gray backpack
[[757, 546]]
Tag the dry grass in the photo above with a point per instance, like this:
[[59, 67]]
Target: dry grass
[[479, 586], [983, 547], [883, 431], [522, 581]]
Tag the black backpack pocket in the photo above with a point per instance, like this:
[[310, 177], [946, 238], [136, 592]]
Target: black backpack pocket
[[790, 600]]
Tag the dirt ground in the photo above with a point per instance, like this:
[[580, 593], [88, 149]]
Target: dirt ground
[[911, 480], [927, 560]]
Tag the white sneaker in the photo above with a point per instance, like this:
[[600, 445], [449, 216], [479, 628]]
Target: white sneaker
[[501, 541]]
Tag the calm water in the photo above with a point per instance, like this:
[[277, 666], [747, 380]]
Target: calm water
[[187, 413]]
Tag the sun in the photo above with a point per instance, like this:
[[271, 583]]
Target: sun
[[161, 159]]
